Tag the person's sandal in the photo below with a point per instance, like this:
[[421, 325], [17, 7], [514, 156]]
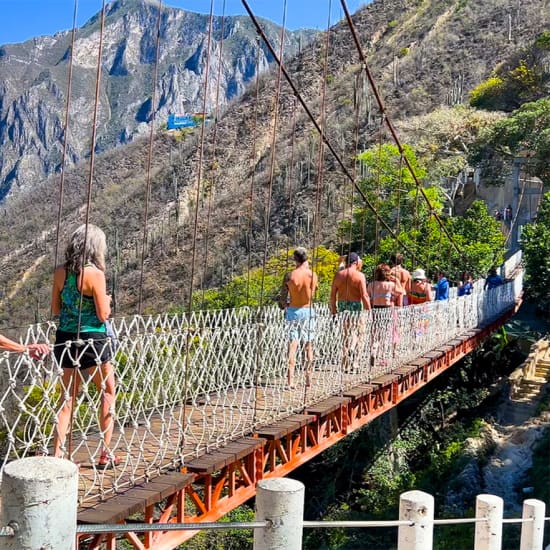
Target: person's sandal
[[108, 461]]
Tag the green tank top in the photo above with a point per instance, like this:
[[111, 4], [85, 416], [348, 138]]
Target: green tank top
[[70, 309]]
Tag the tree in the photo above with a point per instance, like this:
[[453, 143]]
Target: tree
[[525, 133], [386, 182], [536, 244]]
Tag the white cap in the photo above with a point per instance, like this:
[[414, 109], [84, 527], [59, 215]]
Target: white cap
[[418, 274]]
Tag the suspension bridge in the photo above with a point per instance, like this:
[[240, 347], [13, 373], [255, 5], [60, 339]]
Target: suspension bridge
[[203, 405], [197, 429]]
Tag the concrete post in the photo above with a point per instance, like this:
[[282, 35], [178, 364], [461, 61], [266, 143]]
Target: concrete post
[[488, 534], [532, 533], [40, 495], [281, 501], [418, 508]]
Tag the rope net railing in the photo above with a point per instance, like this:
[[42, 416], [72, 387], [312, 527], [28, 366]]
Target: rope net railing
[[186, 384]]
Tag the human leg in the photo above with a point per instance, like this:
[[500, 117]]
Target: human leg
[[292, 349], [104, 380], [70, 382]]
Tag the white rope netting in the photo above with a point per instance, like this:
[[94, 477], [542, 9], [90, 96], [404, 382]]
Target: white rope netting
[[187, 384]]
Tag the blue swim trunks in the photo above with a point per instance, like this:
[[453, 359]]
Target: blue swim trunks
[[301, 323]]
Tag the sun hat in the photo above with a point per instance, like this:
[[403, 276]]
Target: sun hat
[[418, 274]]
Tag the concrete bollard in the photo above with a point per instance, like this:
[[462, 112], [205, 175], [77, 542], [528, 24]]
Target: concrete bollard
[[40, 495], [281, 501], [418, 508], [532, 533], [488, 534]]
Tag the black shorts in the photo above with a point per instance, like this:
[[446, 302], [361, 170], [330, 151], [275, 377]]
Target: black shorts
[[93, 349]]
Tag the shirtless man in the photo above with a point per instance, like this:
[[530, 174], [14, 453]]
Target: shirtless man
[[349, 293], [349, 288], [401, 276], [296, 299]]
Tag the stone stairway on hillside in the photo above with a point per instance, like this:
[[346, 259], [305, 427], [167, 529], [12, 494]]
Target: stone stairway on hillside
[[528, 385]]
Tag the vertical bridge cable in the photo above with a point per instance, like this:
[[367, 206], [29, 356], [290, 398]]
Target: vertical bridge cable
[[252, 174], [321, 151], [65, 136], [149, 160], [268, 200], [213, 161], [188, 337], [88, 210], [200, 158], [390, 126]]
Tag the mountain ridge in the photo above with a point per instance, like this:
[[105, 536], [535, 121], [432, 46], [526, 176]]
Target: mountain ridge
[[230, 231], [34, 81]]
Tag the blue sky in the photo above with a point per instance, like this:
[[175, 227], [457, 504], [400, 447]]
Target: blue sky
[[24, 19]]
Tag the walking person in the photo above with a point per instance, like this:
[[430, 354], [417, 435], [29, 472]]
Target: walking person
[[421, 290], [384, 294], [420, 293], [349, 294], [400, 275], [466, 284], [493, 279], [441, 287], [298, 290], [82, 347]]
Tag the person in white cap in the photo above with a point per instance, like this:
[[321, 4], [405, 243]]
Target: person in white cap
[[420, 290]]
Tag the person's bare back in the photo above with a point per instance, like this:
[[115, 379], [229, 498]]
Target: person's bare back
[[301, 283]]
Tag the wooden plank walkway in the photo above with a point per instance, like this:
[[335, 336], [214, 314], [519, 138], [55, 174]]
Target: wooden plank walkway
[[215, 480]]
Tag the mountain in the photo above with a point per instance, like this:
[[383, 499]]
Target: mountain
[[34, 79], [255, 180]]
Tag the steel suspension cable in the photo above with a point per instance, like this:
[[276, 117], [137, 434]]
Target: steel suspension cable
[[333, 151], [189, 334], [389, 124], [213, 160], [290, 183], [252, 176], [149, 161], [321, 151], [357, 106], [65, 136], [201, 157], [88, 211], [273, 154]]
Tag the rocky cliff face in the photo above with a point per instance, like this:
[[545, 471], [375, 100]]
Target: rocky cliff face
[[34, 81]]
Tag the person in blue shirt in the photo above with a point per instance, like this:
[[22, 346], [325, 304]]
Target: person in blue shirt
[[441, 287], [493, 280], [466, 285]]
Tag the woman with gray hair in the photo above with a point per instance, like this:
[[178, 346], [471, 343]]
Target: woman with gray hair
[[79, 297]]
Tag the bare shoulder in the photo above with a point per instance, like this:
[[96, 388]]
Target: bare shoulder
[[93, 274]]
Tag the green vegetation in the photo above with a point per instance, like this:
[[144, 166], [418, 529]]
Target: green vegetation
[[230, 539], [535, 244], [523, 79], [261, 286], [389, 186], [431, 452], [525, 133], [487, 95]]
